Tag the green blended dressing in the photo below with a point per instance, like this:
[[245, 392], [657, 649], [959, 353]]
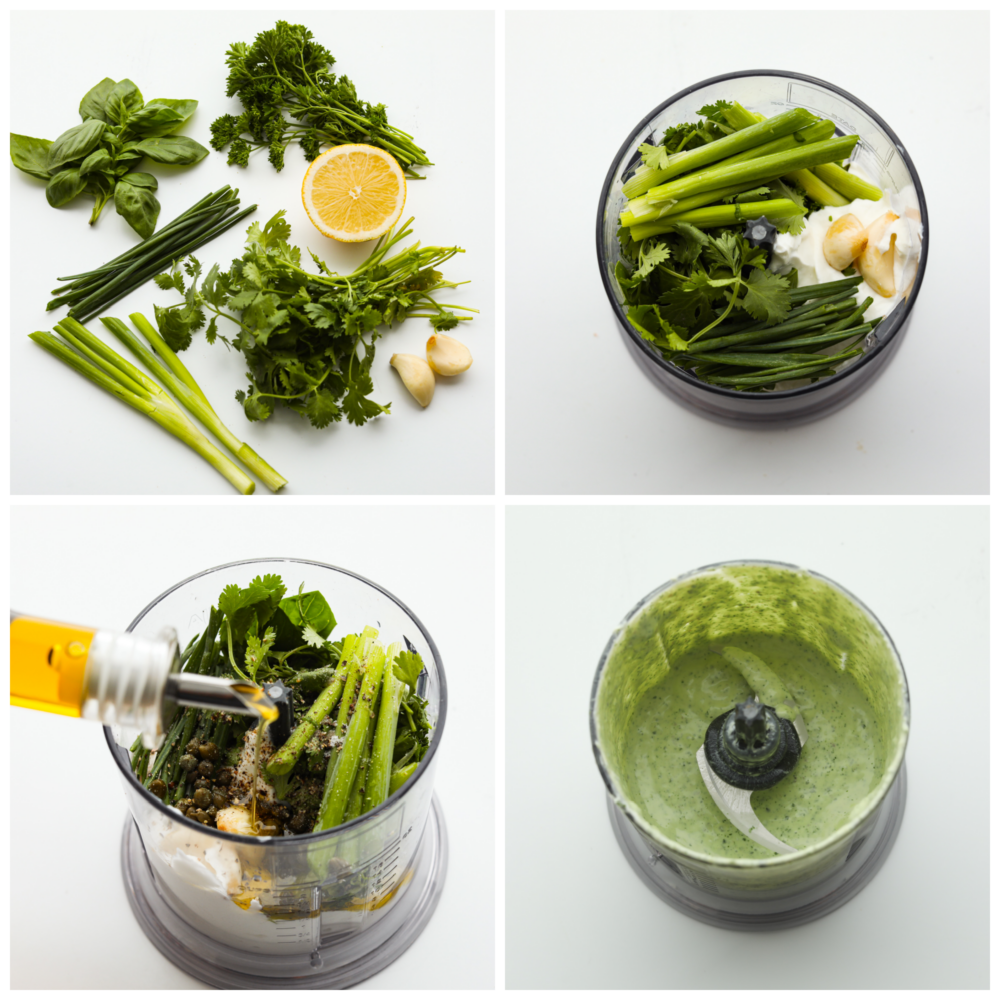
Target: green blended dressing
[[713, 640]]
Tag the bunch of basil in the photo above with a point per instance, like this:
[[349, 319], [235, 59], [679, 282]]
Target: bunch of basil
[[99, 157]]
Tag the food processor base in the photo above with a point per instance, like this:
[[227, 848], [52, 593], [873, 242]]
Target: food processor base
[[814, 900], [337, 965]]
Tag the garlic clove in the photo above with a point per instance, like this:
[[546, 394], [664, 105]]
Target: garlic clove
[[416, 375], [844, 241], [446, 355], [877, 267]]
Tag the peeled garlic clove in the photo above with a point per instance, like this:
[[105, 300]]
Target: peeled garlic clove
[[844, 241], [877, 267], [446, 355], [416, 375]]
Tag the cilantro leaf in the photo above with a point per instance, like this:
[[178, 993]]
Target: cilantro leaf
[[407, 667], [256, 654], [766, 296], [714, 111], [654, 157], [445, 320], [656, 253]]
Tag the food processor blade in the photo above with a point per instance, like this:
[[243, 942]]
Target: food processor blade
[[734, 803]]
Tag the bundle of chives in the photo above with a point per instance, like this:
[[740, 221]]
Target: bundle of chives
[[90, 292]]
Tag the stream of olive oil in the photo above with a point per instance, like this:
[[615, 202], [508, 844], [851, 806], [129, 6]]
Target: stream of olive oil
[[257, 700]]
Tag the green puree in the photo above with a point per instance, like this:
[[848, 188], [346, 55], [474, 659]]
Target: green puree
[[840, 763], [682, 660]]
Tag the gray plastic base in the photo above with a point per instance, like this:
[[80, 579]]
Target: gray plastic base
[[334, 966], [812, 901]]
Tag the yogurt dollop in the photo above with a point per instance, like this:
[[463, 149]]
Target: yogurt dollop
[[804, 251]]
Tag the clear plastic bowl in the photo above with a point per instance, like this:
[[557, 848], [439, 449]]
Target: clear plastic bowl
[[788, 889], [316, 910], [768, 92]]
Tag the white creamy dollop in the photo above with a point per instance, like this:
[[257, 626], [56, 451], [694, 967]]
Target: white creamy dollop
[[805, 251]]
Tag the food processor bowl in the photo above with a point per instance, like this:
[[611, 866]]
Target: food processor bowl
[[312, 911], [878, 151], [789, 889]]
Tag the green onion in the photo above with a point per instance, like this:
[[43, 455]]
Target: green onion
[[93, 359], [849, 185], [693, 159], [170, 370], [721, 215], [764, 168]]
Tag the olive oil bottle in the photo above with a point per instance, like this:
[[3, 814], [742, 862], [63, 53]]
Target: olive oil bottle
[[116, 678]]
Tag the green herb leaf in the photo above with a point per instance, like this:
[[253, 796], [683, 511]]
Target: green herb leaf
[[766, 296], [650, 254], [75, 143], [31, 155], [64, 187], [97, 162], [137, 205], [161, 117], [122, 102], [256, 654], [94, 101], [176, 149], [407, 667]]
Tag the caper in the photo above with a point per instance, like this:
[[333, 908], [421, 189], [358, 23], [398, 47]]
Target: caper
[[192, 746], [212, 812], [184, 804], [209, 751], [224, 777], [198, 815], [188, 762], [219, 799], [206, 767], [202, 798], [158, 788], [203, 783]]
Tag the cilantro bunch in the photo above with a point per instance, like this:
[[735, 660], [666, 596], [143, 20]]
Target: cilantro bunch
[[285, 72], [308, 339], [713, 269]]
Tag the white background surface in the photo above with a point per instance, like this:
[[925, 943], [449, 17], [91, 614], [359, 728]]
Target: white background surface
[[582, 417], [577, 914], [72, 437], [73, 928]]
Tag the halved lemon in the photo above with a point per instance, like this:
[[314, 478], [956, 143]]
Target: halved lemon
[[354, 193]]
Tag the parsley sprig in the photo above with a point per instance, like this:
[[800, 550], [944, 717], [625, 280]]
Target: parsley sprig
[[286, 72]]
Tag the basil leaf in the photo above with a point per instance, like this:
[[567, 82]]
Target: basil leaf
[[128, 158], [141, 180], [31, 155], [161, 117], [123, 101], [64, 187], [99, 160], [176, 149], [75, 143], [137, 206], [92, 105], [101, 184]]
